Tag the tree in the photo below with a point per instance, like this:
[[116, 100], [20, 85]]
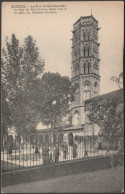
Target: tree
[[5, 112], [55, 94], [21, 67], [118, 79], [108, 115]]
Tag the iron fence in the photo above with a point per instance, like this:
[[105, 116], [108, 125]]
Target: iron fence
[[38, 150]]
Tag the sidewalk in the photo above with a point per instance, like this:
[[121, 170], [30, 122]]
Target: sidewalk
[[109, 180]]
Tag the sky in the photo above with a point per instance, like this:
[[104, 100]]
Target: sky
[[53, 34]]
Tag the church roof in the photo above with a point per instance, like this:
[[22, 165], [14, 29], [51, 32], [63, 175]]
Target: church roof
[[84, 17], [110, 95], [47, 130], [76, 127]]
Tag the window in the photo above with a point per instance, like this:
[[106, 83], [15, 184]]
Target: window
[[88, 34], [89, 65], [96, 67], [86, 90], [88, 50], [95, 88], [84, 67], [84, 35], [76, 118], [84, 51], [76, 91]]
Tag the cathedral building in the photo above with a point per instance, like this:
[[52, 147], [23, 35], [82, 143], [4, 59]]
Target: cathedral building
[[85, 78]]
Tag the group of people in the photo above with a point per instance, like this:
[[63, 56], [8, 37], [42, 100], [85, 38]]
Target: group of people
[[48, 157], [47, 154], [51, 156]]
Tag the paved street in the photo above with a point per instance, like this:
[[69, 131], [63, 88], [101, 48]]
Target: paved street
[[109, 180]]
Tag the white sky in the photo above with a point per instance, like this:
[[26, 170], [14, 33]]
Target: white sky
[[53, 33]]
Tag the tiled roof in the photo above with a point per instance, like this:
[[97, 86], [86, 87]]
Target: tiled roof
[[76, 127], [116, 93]]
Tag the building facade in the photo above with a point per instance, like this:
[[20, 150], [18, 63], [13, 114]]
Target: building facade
[[85, 65]]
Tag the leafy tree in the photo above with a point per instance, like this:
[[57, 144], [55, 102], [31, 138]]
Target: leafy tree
[[118, 79], [5, 120], [108, 115], [21, 67], [56, 92]]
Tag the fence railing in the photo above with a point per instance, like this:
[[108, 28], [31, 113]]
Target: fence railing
[[32, 151]]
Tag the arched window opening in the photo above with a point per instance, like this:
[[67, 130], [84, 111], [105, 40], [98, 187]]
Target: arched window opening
[[76, 118], [88, 50], [76, 91], [96, 67], [84, 67], [84, 51], [89, 67], [88, 35], [84, 35], [86, 90], [95, 88], [87, 85]]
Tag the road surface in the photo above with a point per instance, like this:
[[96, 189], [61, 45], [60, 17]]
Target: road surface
[[109, 180]]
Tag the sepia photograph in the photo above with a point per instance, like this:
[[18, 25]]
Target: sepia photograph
[[62, 97]]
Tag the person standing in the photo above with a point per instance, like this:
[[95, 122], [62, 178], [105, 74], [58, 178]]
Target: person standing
[[10, 150], [107, 151], [56, 154], [37, 152], [65, 151], [86, 154], [74, 150]]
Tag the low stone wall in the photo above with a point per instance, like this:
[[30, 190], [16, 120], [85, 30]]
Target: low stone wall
[[61, 169]]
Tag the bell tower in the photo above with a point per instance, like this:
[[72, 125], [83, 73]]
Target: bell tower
[[85, 65]]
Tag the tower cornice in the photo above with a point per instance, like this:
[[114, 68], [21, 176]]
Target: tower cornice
[[86, 75], [92, 40], [85, 25], [85, 57]]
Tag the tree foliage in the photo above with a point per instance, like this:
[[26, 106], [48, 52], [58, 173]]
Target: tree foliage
[[108, 115], [56, 93], [21, 67], [118, 79], [28, 95]]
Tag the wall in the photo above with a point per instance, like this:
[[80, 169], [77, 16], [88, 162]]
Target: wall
[[61, 169]]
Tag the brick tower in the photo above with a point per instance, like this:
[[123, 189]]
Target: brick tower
[[85, 65]]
